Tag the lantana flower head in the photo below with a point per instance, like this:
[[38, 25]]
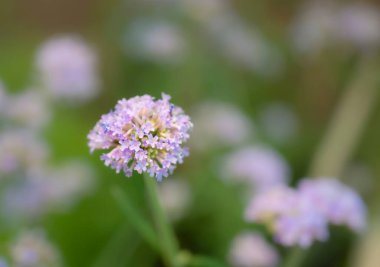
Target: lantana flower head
[[67, 67], [33, 249], [250, 249], [289, 215], [142, 134], [337, 202]]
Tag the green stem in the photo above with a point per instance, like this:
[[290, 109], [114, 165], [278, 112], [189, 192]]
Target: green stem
[[348, 122], [203, 261], [169, 245], [135, 219], [115, 253], [295, 258]]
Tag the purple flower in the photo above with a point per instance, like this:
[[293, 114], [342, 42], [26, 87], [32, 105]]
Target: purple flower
[[289, 215], [32, 249], [68, 68], [251, 249], [337, 202], [151, 141], [259, 167], [142, 134], [134, 145]]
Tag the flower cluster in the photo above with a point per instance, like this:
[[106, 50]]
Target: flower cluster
[[67, 67], [353, 25], [175, 198], [47, 188], [30, 186], [258, 167], [298, 217], [20, 150], [155, 41], [252, 250], [293, 220], [32, 249], [219, 124], [336, 201], [143, 134]]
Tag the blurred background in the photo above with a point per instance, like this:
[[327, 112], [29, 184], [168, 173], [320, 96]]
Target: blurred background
[[261, 81]]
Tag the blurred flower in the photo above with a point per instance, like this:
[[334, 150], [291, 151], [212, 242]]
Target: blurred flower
[[68, 68], [20, 151], [259, 167], [48, 188], [3, 98], [289, 215], [219, 124], [204, 10], [279, 122], [3, 263], [157, 41], [144, 135], [28, 108], [65, 184], [244, 46], [32, 249], [175, 197], [359, 25], [322, 23], [251, 250], [337, 202], [314, 26]]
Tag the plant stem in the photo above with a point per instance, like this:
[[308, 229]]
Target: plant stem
[[204, 261], [295, 258], [135, 219], [169, 245], [348, 122]]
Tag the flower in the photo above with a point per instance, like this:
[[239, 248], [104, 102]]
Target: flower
[[142, 134], [68, 68], [32, 249], [28, 108], [175, 197], [48, 188], [259, 167], [244, 46], [251, 250], [337, 202], [359, 25], [3, 263], [155, 41], [289, 216], [3, 98], [20, 151], [220, 123], [314, 27], [204, 10], [320, 25]]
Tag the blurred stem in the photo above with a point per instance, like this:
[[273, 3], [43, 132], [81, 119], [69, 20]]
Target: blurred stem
[[203, 261], [366, 253], [348, 121], [295, 258], [168, 242], [114, 252], [135, 218]]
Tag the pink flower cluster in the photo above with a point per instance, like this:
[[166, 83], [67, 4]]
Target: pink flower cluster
[[301, 216], [142, 134]]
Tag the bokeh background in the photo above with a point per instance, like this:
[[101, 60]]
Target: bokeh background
[[264, 75]]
